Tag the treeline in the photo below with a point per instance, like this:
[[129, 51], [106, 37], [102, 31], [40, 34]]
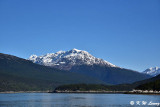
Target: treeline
[[94, 87]]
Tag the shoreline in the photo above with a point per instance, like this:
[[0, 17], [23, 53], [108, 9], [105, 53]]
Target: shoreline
[[108, 92]]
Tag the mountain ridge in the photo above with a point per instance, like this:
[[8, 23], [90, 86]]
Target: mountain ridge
[[67, 59]]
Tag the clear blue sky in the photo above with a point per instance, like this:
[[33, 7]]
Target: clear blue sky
[[123, 32]]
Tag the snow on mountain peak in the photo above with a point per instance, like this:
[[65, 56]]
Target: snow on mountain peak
[[74, 49], [153, 71], [33, 57], [67, 59]]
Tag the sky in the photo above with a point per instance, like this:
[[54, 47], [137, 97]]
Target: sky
[[123, 32]]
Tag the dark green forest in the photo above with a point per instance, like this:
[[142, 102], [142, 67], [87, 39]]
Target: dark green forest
[[155, 86]]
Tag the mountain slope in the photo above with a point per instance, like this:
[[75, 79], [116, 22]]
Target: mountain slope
[[148, 84], [82, 62], [110, 75], [153, 71], [20, 74]]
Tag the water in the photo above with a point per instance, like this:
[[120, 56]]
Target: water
[[74, 100]]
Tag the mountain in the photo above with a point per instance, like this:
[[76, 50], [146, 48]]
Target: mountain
[[66, 60], [153, 71], [17, 74], [84, 63]]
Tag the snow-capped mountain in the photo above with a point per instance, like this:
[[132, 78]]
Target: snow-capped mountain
[[153, 71], [83, 63], [67, 59]]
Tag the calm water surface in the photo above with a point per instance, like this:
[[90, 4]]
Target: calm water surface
[[74, 100]]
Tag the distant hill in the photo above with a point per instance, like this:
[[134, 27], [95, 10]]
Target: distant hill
[[82, 62], [147, 80], [155, 86], [152, 83], [17, 74], [138, 84]]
